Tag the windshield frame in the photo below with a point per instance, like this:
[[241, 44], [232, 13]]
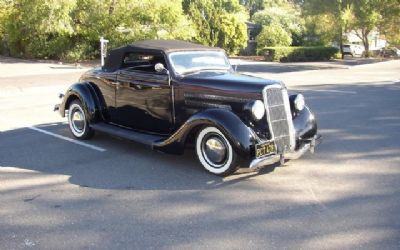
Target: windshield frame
[[171, 62]]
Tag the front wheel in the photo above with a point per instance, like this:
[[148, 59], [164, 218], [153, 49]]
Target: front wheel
[[215, 152], [78, 122]]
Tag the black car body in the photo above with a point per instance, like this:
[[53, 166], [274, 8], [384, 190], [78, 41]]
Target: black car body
[[168, 94]]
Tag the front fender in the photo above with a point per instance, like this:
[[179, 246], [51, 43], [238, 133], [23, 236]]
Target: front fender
[[305, 124], [87, 96], [239, 135]]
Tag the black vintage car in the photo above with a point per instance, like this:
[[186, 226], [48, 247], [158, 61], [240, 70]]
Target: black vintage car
[[170, 94]]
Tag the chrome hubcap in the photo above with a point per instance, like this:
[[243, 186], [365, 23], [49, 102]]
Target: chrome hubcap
[[215, 150], [78, 120]]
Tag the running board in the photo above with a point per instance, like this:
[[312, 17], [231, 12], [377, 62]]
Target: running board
[[128, 134]]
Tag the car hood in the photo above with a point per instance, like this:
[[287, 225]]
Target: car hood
[[228, 81]]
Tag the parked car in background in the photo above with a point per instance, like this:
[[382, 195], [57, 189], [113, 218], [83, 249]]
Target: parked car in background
[[390, 52], [169, 94], [353, 50]]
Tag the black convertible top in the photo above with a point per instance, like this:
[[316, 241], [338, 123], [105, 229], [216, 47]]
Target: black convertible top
[[116, 56]]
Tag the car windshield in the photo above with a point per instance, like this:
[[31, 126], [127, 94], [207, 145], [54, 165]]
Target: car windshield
[[193, 61]]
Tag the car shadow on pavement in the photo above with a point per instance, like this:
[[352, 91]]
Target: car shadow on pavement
[[354, 122], [124, 165]]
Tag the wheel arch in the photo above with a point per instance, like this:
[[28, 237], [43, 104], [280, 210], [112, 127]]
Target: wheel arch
[[88, 96]]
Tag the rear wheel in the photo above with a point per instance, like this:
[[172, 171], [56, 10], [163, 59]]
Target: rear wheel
[[215, 152], [78, 122]]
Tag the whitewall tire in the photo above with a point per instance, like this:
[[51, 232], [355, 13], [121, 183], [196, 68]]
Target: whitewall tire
[[215, 152], [78, 122]]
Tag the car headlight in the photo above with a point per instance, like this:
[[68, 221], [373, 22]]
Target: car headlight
[[257, 110], [299, 102]]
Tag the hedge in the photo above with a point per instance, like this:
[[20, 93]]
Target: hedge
[[298, 54]]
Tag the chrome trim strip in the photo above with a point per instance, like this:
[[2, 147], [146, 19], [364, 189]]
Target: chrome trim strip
[[216, 97], [292, 132], [275, 86], [203, 104], [173, 102]]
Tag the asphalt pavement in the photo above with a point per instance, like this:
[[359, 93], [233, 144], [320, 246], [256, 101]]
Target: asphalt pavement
[[108, 193]]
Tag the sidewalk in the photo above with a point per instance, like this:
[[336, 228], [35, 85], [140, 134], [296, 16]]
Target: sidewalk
[[12, 67]]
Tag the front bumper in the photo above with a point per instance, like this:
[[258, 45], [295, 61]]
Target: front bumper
[[309, 145]]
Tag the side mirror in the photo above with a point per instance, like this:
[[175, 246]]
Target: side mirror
[[160, 68]]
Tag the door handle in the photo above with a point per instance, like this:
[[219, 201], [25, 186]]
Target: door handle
[[116, 84]]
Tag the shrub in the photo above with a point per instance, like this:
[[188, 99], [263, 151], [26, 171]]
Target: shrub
[[273, 35], [337, 55], [298, 54]]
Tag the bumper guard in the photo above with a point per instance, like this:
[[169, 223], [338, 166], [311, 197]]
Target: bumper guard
[[271, 159]]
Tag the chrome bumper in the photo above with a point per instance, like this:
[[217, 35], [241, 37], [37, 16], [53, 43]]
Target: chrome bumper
[[271, 159]]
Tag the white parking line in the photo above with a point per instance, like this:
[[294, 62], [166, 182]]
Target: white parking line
[[68, 139], [10, 125]]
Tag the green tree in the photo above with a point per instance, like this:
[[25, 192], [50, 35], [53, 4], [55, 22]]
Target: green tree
[[36, 27], [252, 6], [366, 19], [283, 14], [5, 10], [71, 29], [390, 23], [335, 10], [362, 16], [370, 15], [218, 23], [162, 19], [273, 35]]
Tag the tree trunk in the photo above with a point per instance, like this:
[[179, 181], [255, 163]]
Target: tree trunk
[[366, 46], [365, 42], [112, 7], [364, 39], [341, 42], [340, 7]]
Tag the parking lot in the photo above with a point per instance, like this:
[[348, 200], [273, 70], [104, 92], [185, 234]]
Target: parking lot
[[107, 193]]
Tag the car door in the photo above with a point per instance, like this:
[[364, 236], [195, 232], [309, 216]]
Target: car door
[[144, 100]]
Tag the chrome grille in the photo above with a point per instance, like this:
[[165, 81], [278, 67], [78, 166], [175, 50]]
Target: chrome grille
[[279, 117]]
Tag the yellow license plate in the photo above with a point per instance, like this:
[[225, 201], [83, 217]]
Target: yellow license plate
[[265, 149]]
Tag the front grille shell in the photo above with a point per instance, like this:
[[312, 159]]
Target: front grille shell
[[279, 118]]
